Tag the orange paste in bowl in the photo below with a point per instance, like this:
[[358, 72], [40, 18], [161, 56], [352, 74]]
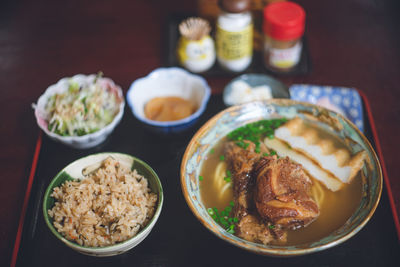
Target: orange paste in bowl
[[170, 108]]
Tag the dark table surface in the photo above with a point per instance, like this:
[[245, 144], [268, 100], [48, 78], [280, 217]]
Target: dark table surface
[[353, 43]]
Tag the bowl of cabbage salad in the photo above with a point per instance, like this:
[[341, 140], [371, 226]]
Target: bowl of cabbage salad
[[80, 111]]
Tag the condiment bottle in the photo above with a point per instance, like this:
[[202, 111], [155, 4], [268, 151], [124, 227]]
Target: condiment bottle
[[234, 35], [196, 51], [283, 29]]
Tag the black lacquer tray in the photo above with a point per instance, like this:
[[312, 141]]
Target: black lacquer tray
[[178, 238]]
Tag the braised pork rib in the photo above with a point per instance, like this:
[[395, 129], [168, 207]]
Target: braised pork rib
[[251, 226], [270, 194], [281, 193]]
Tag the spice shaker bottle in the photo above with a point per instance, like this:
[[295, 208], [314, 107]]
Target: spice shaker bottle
[[234, 35], [196, 51], [283, 29]]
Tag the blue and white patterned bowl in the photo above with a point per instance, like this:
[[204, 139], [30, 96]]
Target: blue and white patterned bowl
[[236, 116], [168, 82], [344, 100]]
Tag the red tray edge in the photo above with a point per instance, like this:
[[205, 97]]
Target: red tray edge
[[382, 162], [26, 200], [39, 145]]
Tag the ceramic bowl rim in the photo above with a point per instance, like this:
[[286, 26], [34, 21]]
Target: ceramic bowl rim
[[138, 236], [195, 115], [228, 87], [279, 251], [68, 140]]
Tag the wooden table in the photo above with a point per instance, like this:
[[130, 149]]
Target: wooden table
[[352, 43]]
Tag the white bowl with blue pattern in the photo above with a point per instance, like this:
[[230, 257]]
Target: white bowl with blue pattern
[[237, 116], [165, 82], [84, 141]]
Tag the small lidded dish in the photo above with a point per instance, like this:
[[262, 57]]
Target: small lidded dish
[[168, 100], [80, 111], [195, 49]]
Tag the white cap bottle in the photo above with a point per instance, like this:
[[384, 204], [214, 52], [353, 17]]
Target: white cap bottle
[[234, 35]]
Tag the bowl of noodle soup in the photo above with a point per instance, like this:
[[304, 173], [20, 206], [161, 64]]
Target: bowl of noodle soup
[[350, 192]]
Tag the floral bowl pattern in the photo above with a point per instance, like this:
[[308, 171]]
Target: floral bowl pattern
[[88, 140], [236, 116]]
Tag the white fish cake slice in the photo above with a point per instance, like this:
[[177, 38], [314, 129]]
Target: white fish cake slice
[[312, 169], [334, 159]]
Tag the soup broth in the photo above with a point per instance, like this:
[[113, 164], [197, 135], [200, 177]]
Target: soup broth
[[335, 208]]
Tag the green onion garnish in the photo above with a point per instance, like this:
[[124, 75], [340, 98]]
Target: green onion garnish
[[223, 218], [254, 132]]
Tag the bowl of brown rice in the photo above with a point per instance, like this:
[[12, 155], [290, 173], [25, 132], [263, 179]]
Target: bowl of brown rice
[[103, 204]]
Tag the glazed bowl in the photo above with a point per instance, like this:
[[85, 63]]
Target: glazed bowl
[[277, 89], [164, 82], [75, 171], [87, 140], [236, 116]]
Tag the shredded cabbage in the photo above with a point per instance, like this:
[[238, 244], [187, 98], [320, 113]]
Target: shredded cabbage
[[82, 109]]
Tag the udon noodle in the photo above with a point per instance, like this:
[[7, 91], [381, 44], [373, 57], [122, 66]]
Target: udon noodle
[[335, 206]]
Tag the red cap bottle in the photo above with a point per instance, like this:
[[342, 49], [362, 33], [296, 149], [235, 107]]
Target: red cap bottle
[[284, 20], [283, 28]]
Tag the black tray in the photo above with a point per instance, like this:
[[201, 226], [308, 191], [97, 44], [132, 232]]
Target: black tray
[[178, 238], [172, 35]]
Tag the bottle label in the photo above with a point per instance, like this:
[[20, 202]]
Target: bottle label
[[234, 45], [195, 50], [285, 58]]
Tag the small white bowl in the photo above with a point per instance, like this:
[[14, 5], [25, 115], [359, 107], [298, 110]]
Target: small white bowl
[[84, 141], [254, 80], [164, 82]]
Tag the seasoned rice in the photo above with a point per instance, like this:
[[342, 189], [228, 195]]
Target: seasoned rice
[[109, 206]]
